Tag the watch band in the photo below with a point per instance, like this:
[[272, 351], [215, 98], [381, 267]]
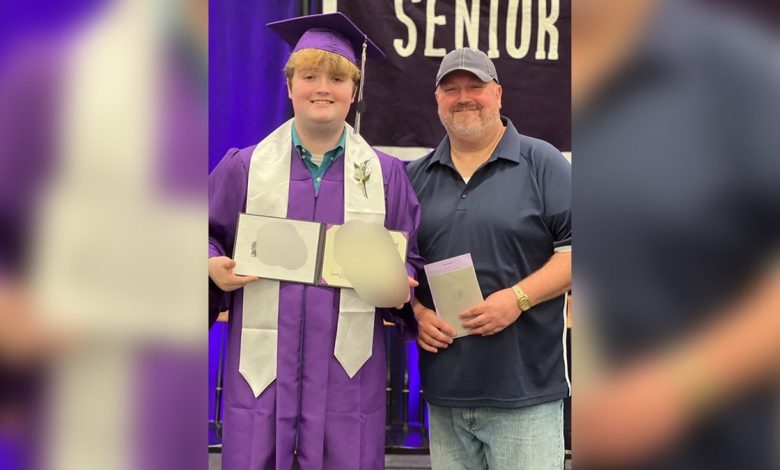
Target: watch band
[[523, 302]]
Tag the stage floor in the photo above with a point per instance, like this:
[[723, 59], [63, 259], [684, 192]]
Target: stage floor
[[392, 462]]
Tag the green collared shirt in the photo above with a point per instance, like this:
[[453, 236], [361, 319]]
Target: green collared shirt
[[318, 171]]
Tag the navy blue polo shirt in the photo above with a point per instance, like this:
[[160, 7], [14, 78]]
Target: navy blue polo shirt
[[511, 216]]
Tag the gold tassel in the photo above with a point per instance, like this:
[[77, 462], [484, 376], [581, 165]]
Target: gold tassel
[[362, 81]]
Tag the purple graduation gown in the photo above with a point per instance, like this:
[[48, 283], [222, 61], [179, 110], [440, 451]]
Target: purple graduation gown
[[338, 422]]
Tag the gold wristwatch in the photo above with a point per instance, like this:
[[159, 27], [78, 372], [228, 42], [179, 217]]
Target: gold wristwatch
[[523, 302]]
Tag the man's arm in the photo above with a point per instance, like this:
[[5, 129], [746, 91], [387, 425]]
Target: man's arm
[[433, 333], [549, 281], [500, 309]]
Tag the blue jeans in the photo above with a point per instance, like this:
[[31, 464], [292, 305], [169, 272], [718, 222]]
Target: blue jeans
[[496, 438]]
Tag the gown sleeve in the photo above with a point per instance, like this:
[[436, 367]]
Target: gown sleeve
[[227, 197], [403, 214]]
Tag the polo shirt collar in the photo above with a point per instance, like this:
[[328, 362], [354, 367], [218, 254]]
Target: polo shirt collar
[[304, 153], [508, 147]]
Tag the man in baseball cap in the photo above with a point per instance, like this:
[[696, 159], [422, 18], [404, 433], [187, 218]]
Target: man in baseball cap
[[470, 60], [495, 395]]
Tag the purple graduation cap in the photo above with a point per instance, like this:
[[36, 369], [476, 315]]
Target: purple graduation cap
[[331, 32]]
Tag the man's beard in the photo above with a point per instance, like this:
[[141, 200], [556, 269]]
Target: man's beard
[[473, 127]]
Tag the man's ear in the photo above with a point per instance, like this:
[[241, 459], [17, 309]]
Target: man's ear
[[289, 88], [499, 93], [354, 91]]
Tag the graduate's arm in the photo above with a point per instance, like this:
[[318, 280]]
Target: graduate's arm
[[227, 198], [221, 272], [412, 284], [402, 213]]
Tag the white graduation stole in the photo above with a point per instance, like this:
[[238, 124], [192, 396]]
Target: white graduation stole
[[267, 194]]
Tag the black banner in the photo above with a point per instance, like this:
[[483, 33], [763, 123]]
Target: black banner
[[528, 40]]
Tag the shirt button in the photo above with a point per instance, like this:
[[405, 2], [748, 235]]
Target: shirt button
[[463, 196], [318, 179]]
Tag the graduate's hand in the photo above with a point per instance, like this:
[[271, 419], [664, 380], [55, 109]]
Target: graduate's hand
[[412, 283], [433, 333], [221, 272], [497, 312]]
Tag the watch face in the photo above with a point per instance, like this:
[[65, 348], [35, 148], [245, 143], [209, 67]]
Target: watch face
[[525, 304]]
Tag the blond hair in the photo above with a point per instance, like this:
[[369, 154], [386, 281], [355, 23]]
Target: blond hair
[[311, 59]]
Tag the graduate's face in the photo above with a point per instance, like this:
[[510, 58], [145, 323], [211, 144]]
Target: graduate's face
[[468, 107], [320, 97]]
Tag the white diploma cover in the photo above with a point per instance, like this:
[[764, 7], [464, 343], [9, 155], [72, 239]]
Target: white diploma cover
[[358, 255], [454, 288], [275, 248]]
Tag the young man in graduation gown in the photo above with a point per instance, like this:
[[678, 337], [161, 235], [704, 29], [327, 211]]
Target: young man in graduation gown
[[306, 372]]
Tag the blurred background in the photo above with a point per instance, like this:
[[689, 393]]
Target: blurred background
[[103, 132], [676, 216]]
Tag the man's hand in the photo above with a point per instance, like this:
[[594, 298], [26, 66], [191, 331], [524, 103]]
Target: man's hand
[[497, 312], [412, 283], [433, 333], [221, 272]]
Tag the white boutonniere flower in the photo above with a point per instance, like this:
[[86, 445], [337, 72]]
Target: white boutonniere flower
[[362, 175]]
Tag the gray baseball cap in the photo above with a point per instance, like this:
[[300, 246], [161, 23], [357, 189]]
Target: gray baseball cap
[[470, 60]]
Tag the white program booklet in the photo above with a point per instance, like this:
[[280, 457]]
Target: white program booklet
[[454, 288]]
